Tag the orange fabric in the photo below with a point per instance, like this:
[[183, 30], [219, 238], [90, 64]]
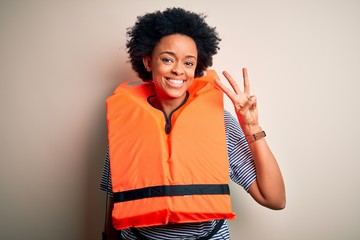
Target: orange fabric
[[143, 155]]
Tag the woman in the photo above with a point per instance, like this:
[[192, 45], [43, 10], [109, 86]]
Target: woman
[[171, 51]]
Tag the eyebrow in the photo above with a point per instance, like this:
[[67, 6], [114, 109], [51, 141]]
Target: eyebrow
[[173, 54]]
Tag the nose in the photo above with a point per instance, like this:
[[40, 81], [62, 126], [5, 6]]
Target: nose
[[177, 69]]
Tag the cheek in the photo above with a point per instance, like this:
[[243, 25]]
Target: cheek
[[190, 74], [189, 81], [161, 71]]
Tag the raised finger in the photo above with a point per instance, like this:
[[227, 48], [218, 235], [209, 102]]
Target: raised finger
[[232, 82], [225, 89], [246, 81]]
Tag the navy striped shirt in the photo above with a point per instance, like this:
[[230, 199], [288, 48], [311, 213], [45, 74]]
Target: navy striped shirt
[[241, 170]]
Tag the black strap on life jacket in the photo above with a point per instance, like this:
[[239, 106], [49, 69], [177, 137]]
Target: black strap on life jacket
[[176, 190], [217, 227]]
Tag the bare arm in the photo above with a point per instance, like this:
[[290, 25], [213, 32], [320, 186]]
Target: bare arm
[[268, 189]]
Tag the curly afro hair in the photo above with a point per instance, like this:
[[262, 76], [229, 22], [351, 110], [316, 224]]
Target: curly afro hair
[[151, 27]]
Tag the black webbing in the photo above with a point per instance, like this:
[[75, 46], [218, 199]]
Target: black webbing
[[214, 231], [177, 190], [137, 234]]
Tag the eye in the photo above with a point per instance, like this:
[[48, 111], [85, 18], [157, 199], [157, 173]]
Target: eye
[[167, 60], [189, 63]]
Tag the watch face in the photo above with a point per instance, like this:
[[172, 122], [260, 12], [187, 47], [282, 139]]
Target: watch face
[[256, 136]]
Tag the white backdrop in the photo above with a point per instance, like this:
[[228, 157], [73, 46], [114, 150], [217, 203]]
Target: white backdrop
[[59, 60]]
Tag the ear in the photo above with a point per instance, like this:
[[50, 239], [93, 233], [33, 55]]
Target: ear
[[147, 63]]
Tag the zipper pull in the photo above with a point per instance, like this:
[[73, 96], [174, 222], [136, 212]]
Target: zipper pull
[[167, 127]]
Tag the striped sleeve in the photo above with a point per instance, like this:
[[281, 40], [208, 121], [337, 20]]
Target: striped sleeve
[[105, 183], [241, 164]]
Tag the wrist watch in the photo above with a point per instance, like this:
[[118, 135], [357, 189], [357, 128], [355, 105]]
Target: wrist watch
[[253, 137]]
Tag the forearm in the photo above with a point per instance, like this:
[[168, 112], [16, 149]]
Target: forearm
[[269, 189]]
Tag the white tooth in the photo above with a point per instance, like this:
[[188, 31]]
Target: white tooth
[[176, 82]]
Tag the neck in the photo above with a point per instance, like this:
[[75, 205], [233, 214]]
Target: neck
[[168, 105]]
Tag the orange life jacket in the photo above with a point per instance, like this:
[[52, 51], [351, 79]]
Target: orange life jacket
[[160, 177]]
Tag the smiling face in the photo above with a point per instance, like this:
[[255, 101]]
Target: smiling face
[[172, 63]]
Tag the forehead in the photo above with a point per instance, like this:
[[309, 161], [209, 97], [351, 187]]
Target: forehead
[[176, 43]]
